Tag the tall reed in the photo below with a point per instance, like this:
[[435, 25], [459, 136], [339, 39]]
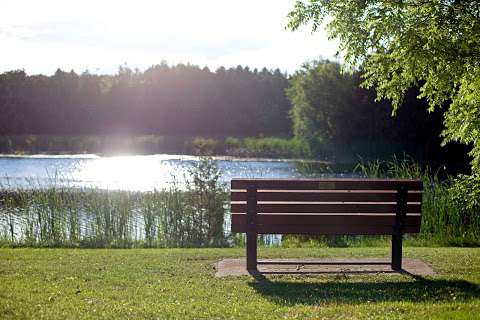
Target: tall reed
[[443, 218], [449, 214], [90, 217]]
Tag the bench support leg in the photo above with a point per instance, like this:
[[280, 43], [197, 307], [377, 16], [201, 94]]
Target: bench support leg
[[397, 252], [252, 227], [397, 235], [251, 251]]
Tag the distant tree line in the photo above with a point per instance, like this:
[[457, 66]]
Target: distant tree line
[[162, 100], [318, 104]]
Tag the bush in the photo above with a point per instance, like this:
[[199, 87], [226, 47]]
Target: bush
[[204, 146], [267, 147], [465, 194]]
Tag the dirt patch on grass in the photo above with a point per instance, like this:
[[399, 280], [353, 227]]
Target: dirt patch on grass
[[237, 267]]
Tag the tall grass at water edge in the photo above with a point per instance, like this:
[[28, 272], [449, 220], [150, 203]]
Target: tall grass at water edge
[[191, 216], [197, 215], [446, 219]]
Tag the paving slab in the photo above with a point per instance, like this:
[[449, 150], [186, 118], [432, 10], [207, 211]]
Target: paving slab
[[238, 267]]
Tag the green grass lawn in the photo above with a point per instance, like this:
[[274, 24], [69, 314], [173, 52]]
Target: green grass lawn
[[180, 283]]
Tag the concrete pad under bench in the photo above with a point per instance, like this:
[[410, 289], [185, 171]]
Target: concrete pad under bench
[[238, 267]]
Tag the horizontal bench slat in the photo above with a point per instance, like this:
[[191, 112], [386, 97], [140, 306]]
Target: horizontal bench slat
[[327, 184], [327, 196], [240, 220], [327, 229], [308, 207]]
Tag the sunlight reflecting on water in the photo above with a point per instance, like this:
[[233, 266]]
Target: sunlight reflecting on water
[[130, 172], [141, 172]]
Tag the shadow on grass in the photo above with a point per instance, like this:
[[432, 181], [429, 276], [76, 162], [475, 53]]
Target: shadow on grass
[[341, 290]]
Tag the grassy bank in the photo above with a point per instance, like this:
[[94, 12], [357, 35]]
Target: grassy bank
[[270, 147], [267, 147], [180, 284]]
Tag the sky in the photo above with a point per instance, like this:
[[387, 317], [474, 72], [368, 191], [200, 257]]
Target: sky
[[100, 35]]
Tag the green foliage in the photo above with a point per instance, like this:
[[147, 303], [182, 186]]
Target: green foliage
[[320, 94], [465, 192], [340, 120], [277, 147], [399, 44], [204, 146], [462, 121], [267, 147], [233, 142]]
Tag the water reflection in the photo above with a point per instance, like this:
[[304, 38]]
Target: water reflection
[[130, 172], [140, 173]]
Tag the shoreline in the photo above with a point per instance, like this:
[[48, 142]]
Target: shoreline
[[165, 156]]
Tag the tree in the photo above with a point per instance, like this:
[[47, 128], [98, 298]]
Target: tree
[[320, 94], [433, 44], [341, 121]]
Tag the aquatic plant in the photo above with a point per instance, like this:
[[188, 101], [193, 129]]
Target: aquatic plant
[[61, 215]]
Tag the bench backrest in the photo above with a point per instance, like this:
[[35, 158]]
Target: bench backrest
[[326, 206]]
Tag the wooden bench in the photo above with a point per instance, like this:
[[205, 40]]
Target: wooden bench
[[326, 207]]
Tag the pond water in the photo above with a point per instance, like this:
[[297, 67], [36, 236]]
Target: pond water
[[135, 173]]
